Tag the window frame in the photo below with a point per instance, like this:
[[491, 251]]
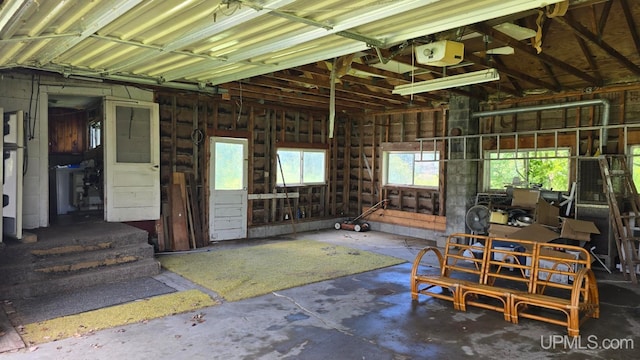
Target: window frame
[[301, 151], [421, 154], [486, 176]]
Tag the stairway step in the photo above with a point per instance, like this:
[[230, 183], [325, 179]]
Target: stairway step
[[39, 269], [102, 275]]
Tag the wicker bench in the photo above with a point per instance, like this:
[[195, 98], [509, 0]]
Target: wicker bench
[[564, 284], [512, 276], [462, 263], [506, 271]]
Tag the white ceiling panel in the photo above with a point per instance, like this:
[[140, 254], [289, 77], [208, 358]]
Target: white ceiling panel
[[209, 42]]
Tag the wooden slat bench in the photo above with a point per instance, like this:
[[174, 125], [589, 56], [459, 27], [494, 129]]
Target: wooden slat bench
[[512, 276], [462, 262], [577, 299], [507, 264]]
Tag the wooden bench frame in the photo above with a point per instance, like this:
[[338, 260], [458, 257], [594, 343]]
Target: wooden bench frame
[[582, 301], [529, 282], [503, 254], [458, 260]]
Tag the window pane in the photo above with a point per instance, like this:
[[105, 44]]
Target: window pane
[[427, 171], [313, 167], [290, 161], [548, 168], [133, 139], [635, 165], [400, 168], [228, 161]]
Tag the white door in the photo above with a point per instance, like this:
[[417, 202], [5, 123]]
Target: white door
[[131, 161], [228, 166]]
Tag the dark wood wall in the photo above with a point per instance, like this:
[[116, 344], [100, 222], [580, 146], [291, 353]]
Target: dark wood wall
[[188, 120], [354, 167], [67, 131]]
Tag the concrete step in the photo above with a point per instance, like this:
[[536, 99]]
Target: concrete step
[[78, 280], [73, 256], [42, 268]]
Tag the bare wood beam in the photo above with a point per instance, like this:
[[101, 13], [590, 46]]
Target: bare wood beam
[[603, 18], [261, 93], [587, 54], [584, 33], [631, 24], [347, 92], [589, 57], [514, 73], [549, 70], [550, 60], [512, 80]]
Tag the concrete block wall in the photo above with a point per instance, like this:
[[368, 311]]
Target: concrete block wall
[[462, 176]]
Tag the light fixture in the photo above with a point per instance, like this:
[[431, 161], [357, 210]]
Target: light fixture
[[448, 82]]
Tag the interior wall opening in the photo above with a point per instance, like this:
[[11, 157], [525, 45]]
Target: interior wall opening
[[75, 141]]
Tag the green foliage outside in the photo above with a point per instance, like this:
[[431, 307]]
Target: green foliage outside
[[635, 165], [301, 167], [546, 167], [228, 172], [413, 169]]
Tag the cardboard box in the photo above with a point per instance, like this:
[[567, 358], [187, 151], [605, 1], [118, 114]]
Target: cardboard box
[[547, 214], [578, 229], [535, 232], [543, 212], [504, 231], [525, 198]]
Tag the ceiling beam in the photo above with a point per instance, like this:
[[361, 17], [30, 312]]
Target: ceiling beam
[[631, 24], [584, 33], [514, 73], [603, 17], [312, 101], [548, 59], [356, 94]]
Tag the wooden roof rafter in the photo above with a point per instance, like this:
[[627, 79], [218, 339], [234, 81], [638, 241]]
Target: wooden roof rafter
[[587, 35], [631, 24], [514, 73], [544, 57], [586, 52]]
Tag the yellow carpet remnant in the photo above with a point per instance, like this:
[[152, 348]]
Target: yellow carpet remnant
[[129, 313], [251, 271]]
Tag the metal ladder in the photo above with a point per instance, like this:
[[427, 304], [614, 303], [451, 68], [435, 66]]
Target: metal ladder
[[620, 190]]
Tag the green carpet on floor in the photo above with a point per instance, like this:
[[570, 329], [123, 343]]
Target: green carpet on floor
[[129, 313], [251, 271]]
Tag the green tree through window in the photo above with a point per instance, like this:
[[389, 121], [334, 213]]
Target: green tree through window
[[411, 168], [550, 168]]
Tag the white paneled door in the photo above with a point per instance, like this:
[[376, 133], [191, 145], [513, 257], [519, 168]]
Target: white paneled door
[[131, 161], [228, 168]]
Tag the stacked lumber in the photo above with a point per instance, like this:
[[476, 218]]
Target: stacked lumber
[[181, 226]]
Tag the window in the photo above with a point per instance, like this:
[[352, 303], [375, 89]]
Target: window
[[635, 165], [412, 168], [95, 136], [301, 167], [546, 167]]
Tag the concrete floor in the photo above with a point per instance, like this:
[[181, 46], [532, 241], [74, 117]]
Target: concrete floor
[[363, 316]]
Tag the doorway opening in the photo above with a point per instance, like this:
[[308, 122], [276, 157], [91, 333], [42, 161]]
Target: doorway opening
[[75, 140]]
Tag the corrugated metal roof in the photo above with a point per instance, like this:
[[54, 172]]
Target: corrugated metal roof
[[209, 42]]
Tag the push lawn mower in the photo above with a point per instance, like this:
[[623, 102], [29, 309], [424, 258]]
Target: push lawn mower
[[356, 224]]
